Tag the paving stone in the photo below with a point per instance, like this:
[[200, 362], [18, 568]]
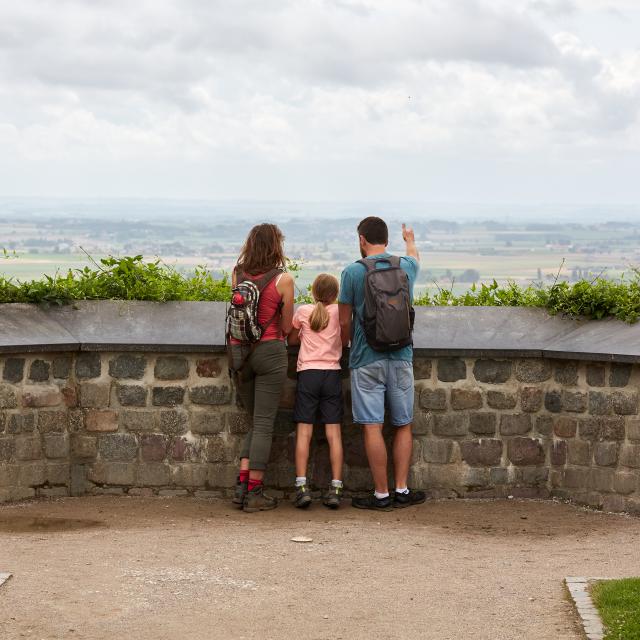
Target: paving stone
[[13, 370], [39, 371], [127, 366], [531, 399], [533, 370], [208, 368], [620, 374], [138, 420], [484, 452], [451, 369], [433, 399], [501, 399], [574, 401], [210, 394], [172, 368], [515, 424], [525, 451], [566, 372], [120, 447], [88, 365], [553, 401], [466, 399], [596, 375], [492, 371], [167, 396], [482, 423], [61, 367], [131, 395]]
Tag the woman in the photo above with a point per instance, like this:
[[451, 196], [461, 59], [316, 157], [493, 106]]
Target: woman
[[263, 365]]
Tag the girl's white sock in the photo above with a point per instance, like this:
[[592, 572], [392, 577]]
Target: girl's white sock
[[301, 481], [337, 484]]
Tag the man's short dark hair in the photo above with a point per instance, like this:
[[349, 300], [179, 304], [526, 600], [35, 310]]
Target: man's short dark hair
[[374, 230]]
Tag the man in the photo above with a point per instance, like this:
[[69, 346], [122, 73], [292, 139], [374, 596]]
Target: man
[[380, 379]]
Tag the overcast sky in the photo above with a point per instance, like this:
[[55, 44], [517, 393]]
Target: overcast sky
[[485, 101]]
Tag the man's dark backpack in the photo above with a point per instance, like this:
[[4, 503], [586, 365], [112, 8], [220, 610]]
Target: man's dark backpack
[[388, 314]]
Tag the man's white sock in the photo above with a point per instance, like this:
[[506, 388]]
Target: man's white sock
[[301, 481], [381, 496], [404, 490]]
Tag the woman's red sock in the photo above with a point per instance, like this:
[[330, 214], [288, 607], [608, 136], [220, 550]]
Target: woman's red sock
[[254, 483], [243, 476]]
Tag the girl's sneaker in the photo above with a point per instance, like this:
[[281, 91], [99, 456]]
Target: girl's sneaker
[[333, 497], [303, 497]]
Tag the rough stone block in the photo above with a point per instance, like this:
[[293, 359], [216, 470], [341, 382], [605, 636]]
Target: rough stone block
[[565, 427], [533, 370], [56, 446], [601, 479], [8, 398], [438, 451], [466, 399], [153, 447], [118, 447], [33, 474], [531, 399], [444, 476], [451, 369], [52, 421], [484, 452], [422, 369], [576, 478], [183, 450], [167, 396], [574, 401], [501, 400], [599, 403], [224, 475], [596, 375], [131, 395], [482, 424], [558, 453], [544, 425], [475, 478], [433, 399], [624, 404], [633, 429], [23, 422], [566, 372], [217, 450], [7, 448], [422, 422], [210, 394], [61, 367], [76, 420], [128, 366], [630, 456], [84, 447], [605, 454], [94, 395], [492, 371], [515, 424], [602, 428], [88, 365], [189, 475], [532, 476], [173, 422], [553, 401], [70, 396], [208, 368], [13, 370], [498, 475], [209, 422], [172, 368], [620, 374], [525, 451], [451, 425], [579, 452], [45, 396], [28, 448], [625, 483], [354, 452], [613, 504], [113, 473], [138, 420], [101, 420], [154, 474], [39, 371]]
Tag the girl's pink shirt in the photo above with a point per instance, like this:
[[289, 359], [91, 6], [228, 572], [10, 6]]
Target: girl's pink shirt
[[321, 349]]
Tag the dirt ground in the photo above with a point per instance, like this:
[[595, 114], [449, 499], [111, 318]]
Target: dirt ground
[[114, 567]]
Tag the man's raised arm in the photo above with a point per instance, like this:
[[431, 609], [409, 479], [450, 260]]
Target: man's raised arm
[[410, 240]]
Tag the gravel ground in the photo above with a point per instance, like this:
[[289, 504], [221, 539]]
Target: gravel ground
[[178, 568]]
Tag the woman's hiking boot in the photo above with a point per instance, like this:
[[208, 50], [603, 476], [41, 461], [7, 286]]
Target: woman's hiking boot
[[255, 500], [240, 493], [303, 497], [333, 497]]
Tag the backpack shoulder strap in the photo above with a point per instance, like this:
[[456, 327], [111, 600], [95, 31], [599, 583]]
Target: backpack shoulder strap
[[264, 280], [394, 261], [368, 263]]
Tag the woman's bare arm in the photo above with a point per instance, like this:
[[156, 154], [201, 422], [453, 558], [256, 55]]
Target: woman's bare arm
[[285, 289]]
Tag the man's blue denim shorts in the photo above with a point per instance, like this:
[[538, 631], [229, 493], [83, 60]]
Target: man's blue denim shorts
[[379, 385]]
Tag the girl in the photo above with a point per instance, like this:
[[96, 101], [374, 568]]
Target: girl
[[262, 366], [319, 392]]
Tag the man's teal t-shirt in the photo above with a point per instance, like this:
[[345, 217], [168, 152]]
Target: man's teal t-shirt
[[352, 292]]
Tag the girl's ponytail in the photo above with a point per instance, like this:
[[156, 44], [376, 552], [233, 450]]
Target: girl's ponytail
[[325, 291]]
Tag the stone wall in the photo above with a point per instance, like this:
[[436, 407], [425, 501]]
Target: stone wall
[[143, 423]]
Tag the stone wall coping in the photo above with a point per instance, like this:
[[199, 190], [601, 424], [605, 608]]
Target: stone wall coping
[[116, 325]]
